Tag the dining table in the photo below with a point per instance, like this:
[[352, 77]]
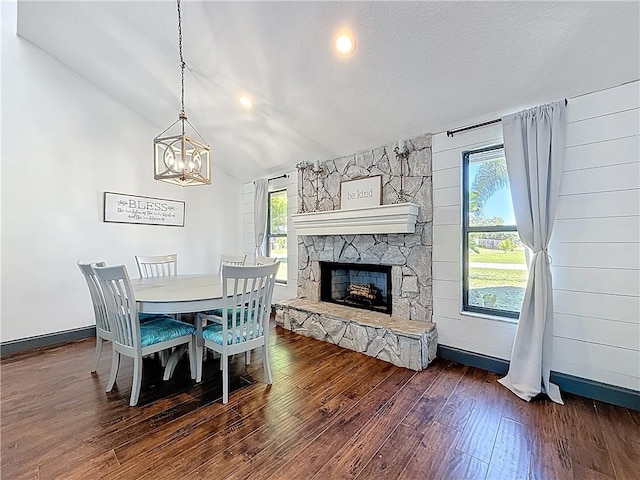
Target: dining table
[[176, 294]]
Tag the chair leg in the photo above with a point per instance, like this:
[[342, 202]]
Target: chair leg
[[224, 361], [137, 381], [192, 358], [247, 357], [198, 359], [98, 353], [115, 364], [265, 363], [198, 348]]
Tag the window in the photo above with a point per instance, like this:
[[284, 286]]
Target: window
[[494, 257], [277, 231]]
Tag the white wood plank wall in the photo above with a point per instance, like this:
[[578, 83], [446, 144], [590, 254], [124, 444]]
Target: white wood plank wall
[[595, 247], [291, 185]]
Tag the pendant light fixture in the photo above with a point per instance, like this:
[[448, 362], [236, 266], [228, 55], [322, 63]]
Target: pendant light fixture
[[181, 159]]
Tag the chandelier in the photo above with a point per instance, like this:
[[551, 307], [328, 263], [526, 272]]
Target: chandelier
[[179, 158]]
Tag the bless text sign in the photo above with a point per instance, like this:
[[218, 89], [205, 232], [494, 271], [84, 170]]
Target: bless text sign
[[121, 208]]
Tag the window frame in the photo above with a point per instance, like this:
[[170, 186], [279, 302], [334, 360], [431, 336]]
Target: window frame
[[467, 229], [270, 235]]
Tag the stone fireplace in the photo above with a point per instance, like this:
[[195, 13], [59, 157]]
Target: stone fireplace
[[408, 254], [383, 268], [357, 285]]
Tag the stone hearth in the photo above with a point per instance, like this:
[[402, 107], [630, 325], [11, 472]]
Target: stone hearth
[[404, 343]]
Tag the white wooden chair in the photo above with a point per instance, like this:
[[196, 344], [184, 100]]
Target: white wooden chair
[[157, 265], [247, 293], [130, 337], [262, 260], [103, 331], [231, 260], [225, 259]]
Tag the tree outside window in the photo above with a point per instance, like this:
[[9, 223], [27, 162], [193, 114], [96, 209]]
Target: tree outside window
[[494, 258], [277, 232]]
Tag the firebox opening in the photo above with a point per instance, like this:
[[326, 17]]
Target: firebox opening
[[359, 285]]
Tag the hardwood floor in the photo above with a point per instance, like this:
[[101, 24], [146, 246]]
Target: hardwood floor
[[330, 414]]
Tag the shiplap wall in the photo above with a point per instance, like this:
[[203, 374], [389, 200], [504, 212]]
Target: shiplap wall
[[291, 185], [595, 247]]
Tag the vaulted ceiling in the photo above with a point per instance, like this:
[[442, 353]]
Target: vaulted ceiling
[[418, 66]]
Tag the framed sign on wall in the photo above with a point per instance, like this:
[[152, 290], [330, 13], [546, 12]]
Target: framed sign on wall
[[123, 208], [361, 192]]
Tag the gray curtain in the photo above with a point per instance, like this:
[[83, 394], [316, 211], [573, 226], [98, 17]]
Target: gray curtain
[[534, 145], [260, 207]]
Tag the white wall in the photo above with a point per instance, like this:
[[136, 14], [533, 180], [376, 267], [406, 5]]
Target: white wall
[[595, 247], [291, 185], [64, 143]]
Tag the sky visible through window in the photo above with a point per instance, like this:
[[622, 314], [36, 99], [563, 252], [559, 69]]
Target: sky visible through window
[[497, 205]]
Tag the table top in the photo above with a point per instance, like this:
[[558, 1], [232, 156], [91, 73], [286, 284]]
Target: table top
[[177, 288], [178, 293]]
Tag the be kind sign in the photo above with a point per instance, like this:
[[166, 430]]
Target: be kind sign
[[362, 192], [121, 208]]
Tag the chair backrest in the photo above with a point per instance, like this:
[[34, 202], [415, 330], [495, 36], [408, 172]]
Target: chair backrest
[[231, 260], [262, 260], [122, 310], [157, 265], [97, 298], [247, 292]]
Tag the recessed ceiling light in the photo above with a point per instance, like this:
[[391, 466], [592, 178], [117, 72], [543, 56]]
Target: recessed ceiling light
[[246, 101], [345, 44]]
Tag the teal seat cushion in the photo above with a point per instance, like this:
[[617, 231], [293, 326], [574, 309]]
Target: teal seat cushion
[[214, 334], [217, 312], [145, 317], [162, 329]]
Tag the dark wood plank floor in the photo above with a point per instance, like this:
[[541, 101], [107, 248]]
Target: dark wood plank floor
[[330, 414]]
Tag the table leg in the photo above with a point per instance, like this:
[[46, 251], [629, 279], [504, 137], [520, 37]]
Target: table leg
[[173, 361]]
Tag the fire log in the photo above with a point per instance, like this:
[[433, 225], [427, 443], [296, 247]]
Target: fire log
[[364, 290]]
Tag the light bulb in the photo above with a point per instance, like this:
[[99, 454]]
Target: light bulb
[[246, 102], [345, 44]]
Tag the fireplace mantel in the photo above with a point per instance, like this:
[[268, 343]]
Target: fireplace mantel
[[394, 218]]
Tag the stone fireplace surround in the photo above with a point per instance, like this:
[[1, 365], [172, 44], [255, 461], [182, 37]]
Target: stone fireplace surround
[[408, 255]]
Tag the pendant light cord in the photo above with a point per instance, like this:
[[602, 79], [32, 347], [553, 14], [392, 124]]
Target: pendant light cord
[[182, 64], [182, 117]]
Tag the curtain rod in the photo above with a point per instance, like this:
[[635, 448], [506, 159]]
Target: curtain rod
[[284, 175], [451, 133]]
